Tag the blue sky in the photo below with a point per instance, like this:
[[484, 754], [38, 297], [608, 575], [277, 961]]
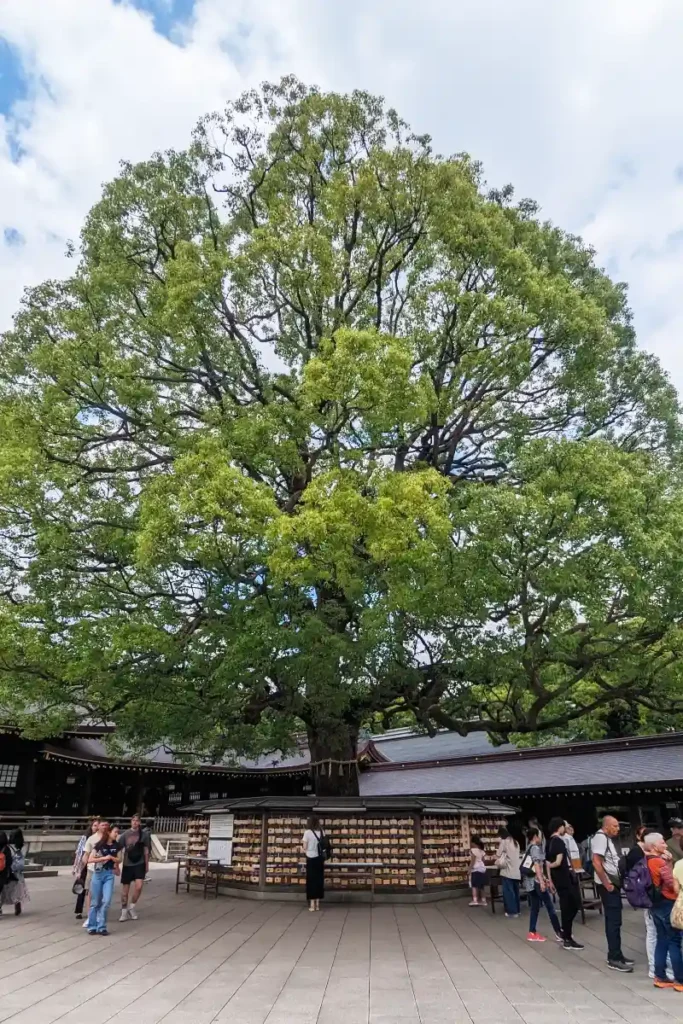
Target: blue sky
[[168, 16], [578, 105], [13, 79]]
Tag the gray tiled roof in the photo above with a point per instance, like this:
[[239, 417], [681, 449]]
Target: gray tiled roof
[[415, 747], [162, 755], [618, 767]]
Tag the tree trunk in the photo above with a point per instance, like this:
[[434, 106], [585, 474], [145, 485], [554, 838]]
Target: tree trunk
[[334, 766]]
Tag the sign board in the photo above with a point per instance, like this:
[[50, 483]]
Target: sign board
[[220, 849], [221, 829], [221, 826]]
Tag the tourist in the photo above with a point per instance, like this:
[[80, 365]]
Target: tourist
[[565, 881], [136, 844], [668, 937], [97, 834], [534, 824], [607, 876], [675, 843], [312, 844], [5, 864], [79, 870], [104, 858], [572, 847], [15, 891], [479, 876], [634, 856], [538, 887], [508, 860]]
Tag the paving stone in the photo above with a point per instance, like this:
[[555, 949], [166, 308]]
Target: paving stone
[[228, 961]]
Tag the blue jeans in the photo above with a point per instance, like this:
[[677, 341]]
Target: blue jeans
[[101, 892], [511, 895], [536, 899], [668, 941]]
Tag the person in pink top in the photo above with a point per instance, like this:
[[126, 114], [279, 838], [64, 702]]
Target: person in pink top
[[478, 874]]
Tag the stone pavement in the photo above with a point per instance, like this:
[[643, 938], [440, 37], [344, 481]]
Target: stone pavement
[[191, 961]]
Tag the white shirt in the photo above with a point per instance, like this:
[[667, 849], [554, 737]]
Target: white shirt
[[604, 847], [311, 842], [90, 844], [572, 847]]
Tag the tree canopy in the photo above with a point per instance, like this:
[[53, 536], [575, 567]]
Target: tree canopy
[[322, 432]]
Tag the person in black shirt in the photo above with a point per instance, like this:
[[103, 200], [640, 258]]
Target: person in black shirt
[[565, 881], [104, 858]]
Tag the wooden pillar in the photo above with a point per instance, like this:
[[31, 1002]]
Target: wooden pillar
[[86, 799], [419, 870], [27, 786], [263, 859], [134, 797], [185, 788], [465, 831]]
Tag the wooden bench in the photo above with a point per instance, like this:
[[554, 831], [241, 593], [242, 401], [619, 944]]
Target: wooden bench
[[358, 869], [209, 879], [590, 897]]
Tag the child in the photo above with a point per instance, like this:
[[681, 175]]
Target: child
[[478, 875]]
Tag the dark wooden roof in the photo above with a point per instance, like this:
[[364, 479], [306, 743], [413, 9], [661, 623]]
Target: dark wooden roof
[[353, 805]]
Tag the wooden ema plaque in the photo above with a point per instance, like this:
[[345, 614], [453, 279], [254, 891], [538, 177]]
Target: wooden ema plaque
[[416, 852]]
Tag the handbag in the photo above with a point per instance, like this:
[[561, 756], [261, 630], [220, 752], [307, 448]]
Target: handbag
[[77, 888], [526, 869], [502, 861], [677, 912]]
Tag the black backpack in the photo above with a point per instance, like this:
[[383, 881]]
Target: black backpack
[[324, 845]]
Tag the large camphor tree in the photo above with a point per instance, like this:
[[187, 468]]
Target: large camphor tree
[[320, 433]]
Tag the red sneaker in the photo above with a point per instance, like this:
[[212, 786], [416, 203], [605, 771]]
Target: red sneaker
[[535, 937]]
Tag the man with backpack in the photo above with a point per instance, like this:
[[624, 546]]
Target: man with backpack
[[608, 879], [136, 845]]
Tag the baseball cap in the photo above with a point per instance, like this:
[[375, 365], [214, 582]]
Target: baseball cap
[[675, 822]]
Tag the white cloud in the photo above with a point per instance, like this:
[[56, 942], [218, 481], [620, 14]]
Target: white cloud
[[578, 105]]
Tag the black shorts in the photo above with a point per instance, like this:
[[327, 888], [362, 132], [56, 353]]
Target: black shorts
[[132, 873]]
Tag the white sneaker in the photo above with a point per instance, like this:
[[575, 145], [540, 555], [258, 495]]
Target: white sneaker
[[132, 912], [85, 923], [125, 912]]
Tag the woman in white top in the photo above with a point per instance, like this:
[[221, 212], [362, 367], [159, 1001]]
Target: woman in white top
[[315, 864], [508, 860]]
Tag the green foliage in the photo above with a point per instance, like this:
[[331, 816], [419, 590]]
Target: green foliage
[[319, 431]]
